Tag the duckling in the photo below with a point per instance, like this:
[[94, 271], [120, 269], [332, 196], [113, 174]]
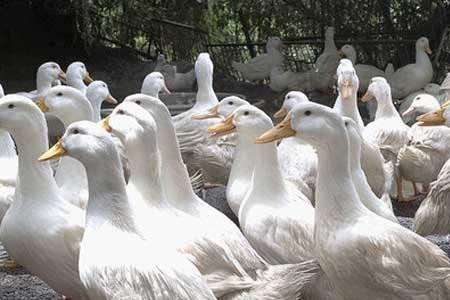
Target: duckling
[[259, 68], [76, 74], [135, 267]]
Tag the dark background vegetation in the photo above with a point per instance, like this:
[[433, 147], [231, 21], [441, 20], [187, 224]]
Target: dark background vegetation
[[119, 39]]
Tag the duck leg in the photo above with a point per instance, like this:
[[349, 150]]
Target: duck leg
[[9, 264], [417, 191]]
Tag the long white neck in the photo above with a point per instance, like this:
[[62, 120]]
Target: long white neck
[[329, 43], [34, 178], [337, 201], [175, 177], [145, 170], [206, 97], [385, 107], [349, 108], [76, 81], [43, 85], [108, 201], [422, 58], [7, 147], [267, 184], [96, 103]]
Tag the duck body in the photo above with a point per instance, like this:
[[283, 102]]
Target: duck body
[[41, 231], [413, 77], [178, 82], [259, 68], [328, 61]]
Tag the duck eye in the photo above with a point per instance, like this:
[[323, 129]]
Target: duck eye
[[246, 113], [10, 106], [346, 123], [418, 98], [120, 112], [138, 102], [230, 103], [75, 131], [104, 86], [59, 94], [307, 113], [54, 67], [288, 97]]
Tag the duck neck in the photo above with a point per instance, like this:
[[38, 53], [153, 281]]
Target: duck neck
[[174, 173], [96, 103], [76, 82], [7, 147], [43, 84], [385, 107], [329, 43], [145, 169], [337, 201], [108, 201], [267, 180], [243, 160], [349, 108], [206, 97], [422, 58], [34, 177]]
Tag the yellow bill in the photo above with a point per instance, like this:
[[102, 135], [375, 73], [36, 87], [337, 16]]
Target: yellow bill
[[223, 128], [88, 78], [347, 89], [41, 104], [54, 152], [105, 124], [209, 114], [434, 118], [282, 130], [367, 96], [281, 113], [62, 76], [111, 99]]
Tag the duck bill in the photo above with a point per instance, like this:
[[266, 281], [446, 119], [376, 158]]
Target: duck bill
[[281, 131], [110, 99], [347, 89], [88, 78], [54, 152], [223, 128], [62, 76], [105, 124], [367, 97], [281, 113], [434, 118], [209, 114], [408, 111], [428, 50], [41, 104], [166, 90]]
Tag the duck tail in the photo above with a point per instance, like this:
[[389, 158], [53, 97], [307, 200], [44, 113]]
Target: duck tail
[[281, 282]]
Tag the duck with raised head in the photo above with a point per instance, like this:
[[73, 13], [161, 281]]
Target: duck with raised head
[[76, 75], [378, 174], [413, 77], [154, 84], [387, 130], [97, 92], [364, 256], [135, 268], [269, 282], [41, 231], [329, 59], [178, 82]]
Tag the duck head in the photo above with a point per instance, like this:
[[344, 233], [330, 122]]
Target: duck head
[[67, 104], [78, 71], [348, 81], [226, 107], [437, 117], [247, 120], [423, 44], [290, 100], [349, 52], [50, 72], [98, 91], [274, 43], [422, 103], [154, 84], [204, 68], [378, 89]]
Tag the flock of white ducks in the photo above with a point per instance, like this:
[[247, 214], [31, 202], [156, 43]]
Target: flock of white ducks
[[119, 219]]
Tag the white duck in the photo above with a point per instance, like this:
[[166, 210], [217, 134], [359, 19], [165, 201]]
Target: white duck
[[153, 84], [270, 282], [433, 215], [428, 148], [69, 105], [328, 61], [413, 77], [135, 268], [41, 231], [259, 68], [160, 62], [76, 74], [97, 92], [178, 82], [387, 131], [364, 72], [354, 245], [297, 161], [430, 89], [281, 80], [372, 161], [444, 89], [8, 172], [47, 73]]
